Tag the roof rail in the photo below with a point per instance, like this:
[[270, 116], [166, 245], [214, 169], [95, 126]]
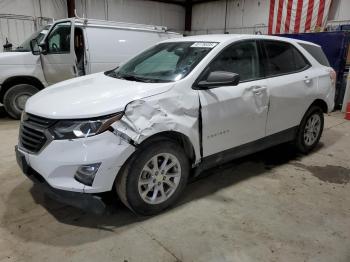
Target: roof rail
[[87, 21]]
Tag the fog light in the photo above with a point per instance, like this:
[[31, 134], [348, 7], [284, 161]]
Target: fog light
[[86, 173]]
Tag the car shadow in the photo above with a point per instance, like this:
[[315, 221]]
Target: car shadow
[[117, 217]]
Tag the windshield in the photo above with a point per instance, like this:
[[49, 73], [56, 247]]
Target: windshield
[[38, 35], [166, 62]]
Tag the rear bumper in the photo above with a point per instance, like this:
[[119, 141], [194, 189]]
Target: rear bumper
[[87, 202]]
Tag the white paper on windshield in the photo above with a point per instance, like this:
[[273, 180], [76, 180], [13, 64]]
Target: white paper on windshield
[[204, 44]]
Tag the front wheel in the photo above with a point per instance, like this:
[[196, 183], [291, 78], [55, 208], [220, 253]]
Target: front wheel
[[16, 97], [310, 130], [154, 178]]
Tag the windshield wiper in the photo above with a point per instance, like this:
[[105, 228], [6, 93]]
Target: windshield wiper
[[134, 78]]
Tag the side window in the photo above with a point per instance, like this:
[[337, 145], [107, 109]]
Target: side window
[[299, 60], [59, 39], [317, 53], [283, 58], [241, 58]]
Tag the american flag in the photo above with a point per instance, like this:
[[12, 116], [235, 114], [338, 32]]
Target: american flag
[[297, 16]]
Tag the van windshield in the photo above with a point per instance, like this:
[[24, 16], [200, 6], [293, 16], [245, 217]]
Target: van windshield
[[166, 62], [38, 35]]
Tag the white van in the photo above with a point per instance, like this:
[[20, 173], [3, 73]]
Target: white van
[[185, 103], [72, 47]]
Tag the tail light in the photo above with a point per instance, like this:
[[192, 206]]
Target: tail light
[[333, 76]]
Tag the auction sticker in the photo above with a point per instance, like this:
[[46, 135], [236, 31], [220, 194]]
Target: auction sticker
[[204, 44]]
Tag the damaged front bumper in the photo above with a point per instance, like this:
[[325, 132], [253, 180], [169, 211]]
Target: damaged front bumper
[[54, 168], [86, 202]]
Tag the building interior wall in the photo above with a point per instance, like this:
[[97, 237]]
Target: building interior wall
[[246, 16]]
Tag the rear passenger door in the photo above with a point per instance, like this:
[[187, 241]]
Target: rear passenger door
[[234, 115], [291, 84]]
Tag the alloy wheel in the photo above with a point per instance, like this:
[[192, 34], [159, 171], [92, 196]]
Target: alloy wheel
[[159, 178]]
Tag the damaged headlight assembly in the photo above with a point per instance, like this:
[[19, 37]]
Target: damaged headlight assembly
[[72, 129]]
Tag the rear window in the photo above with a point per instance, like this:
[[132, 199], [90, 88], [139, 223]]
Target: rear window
[[317, 53]]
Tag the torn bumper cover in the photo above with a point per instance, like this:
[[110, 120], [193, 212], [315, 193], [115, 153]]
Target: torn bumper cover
[[86, 202]]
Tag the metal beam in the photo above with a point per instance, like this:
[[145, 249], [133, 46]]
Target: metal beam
[[188, 15], [203, 1], [71, 8], [169, 2], [184, 2]]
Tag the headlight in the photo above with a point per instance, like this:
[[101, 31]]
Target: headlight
[[70, 129]]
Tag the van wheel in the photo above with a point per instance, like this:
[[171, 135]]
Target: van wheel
[[310, 130], [154, 178], [16, 97]]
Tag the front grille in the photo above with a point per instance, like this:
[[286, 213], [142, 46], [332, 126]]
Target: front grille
[[32, 136]]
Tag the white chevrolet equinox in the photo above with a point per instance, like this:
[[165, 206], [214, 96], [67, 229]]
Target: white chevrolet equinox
[[182, 106]]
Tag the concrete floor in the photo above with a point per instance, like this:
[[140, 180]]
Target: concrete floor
[[272, 206]]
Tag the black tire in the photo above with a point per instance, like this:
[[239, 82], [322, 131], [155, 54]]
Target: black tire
[[127, 180], [300, 142], [12, 97]]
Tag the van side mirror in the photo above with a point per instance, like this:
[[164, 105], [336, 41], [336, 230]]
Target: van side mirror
[[219, 78], [43, 47], [34, 47]]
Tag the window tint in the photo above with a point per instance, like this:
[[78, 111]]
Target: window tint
[[59, 38], [283, 58], [317, 53], [241, 58]]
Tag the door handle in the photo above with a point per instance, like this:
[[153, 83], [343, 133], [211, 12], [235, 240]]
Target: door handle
[[74, 70], [307, 80]]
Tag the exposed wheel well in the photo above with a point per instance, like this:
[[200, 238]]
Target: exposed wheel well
[[322, 104], [8, 83], [177, 137]]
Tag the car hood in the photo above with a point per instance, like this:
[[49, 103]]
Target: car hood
[[90, 96], [18, 58]]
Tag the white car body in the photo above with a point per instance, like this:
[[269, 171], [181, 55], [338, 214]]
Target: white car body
[[106, 44], [213, 121]]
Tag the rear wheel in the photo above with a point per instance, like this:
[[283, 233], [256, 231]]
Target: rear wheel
[[16, 97], [154, 178], [310, 130]]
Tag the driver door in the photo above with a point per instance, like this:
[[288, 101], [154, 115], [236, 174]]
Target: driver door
[[58, 62], [235, 115]]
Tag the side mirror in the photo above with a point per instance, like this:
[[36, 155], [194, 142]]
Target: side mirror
[[219, 78], [43, 48], [34, 47]]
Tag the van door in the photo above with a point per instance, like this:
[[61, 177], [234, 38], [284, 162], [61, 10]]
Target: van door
[[234, 115], [58, 61]]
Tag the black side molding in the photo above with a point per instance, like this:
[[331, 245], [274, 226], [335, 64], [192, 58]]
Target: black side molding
[[246, 149]]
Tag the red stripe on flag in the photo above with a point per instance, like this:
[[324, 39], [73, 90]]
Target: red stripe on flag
[[320, 13], [310, 8], [298, 16], [279, 16], [289, 12], [271, 16]]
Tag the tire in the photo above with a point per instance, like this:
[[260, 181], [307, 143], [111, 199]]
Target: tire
[[303, 141], [16, 97], [139, 168]]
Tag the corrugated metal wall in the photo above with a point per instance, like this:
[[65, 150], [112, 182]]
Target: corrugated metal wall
[[134, 11], [243, 16], [247, 16]]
